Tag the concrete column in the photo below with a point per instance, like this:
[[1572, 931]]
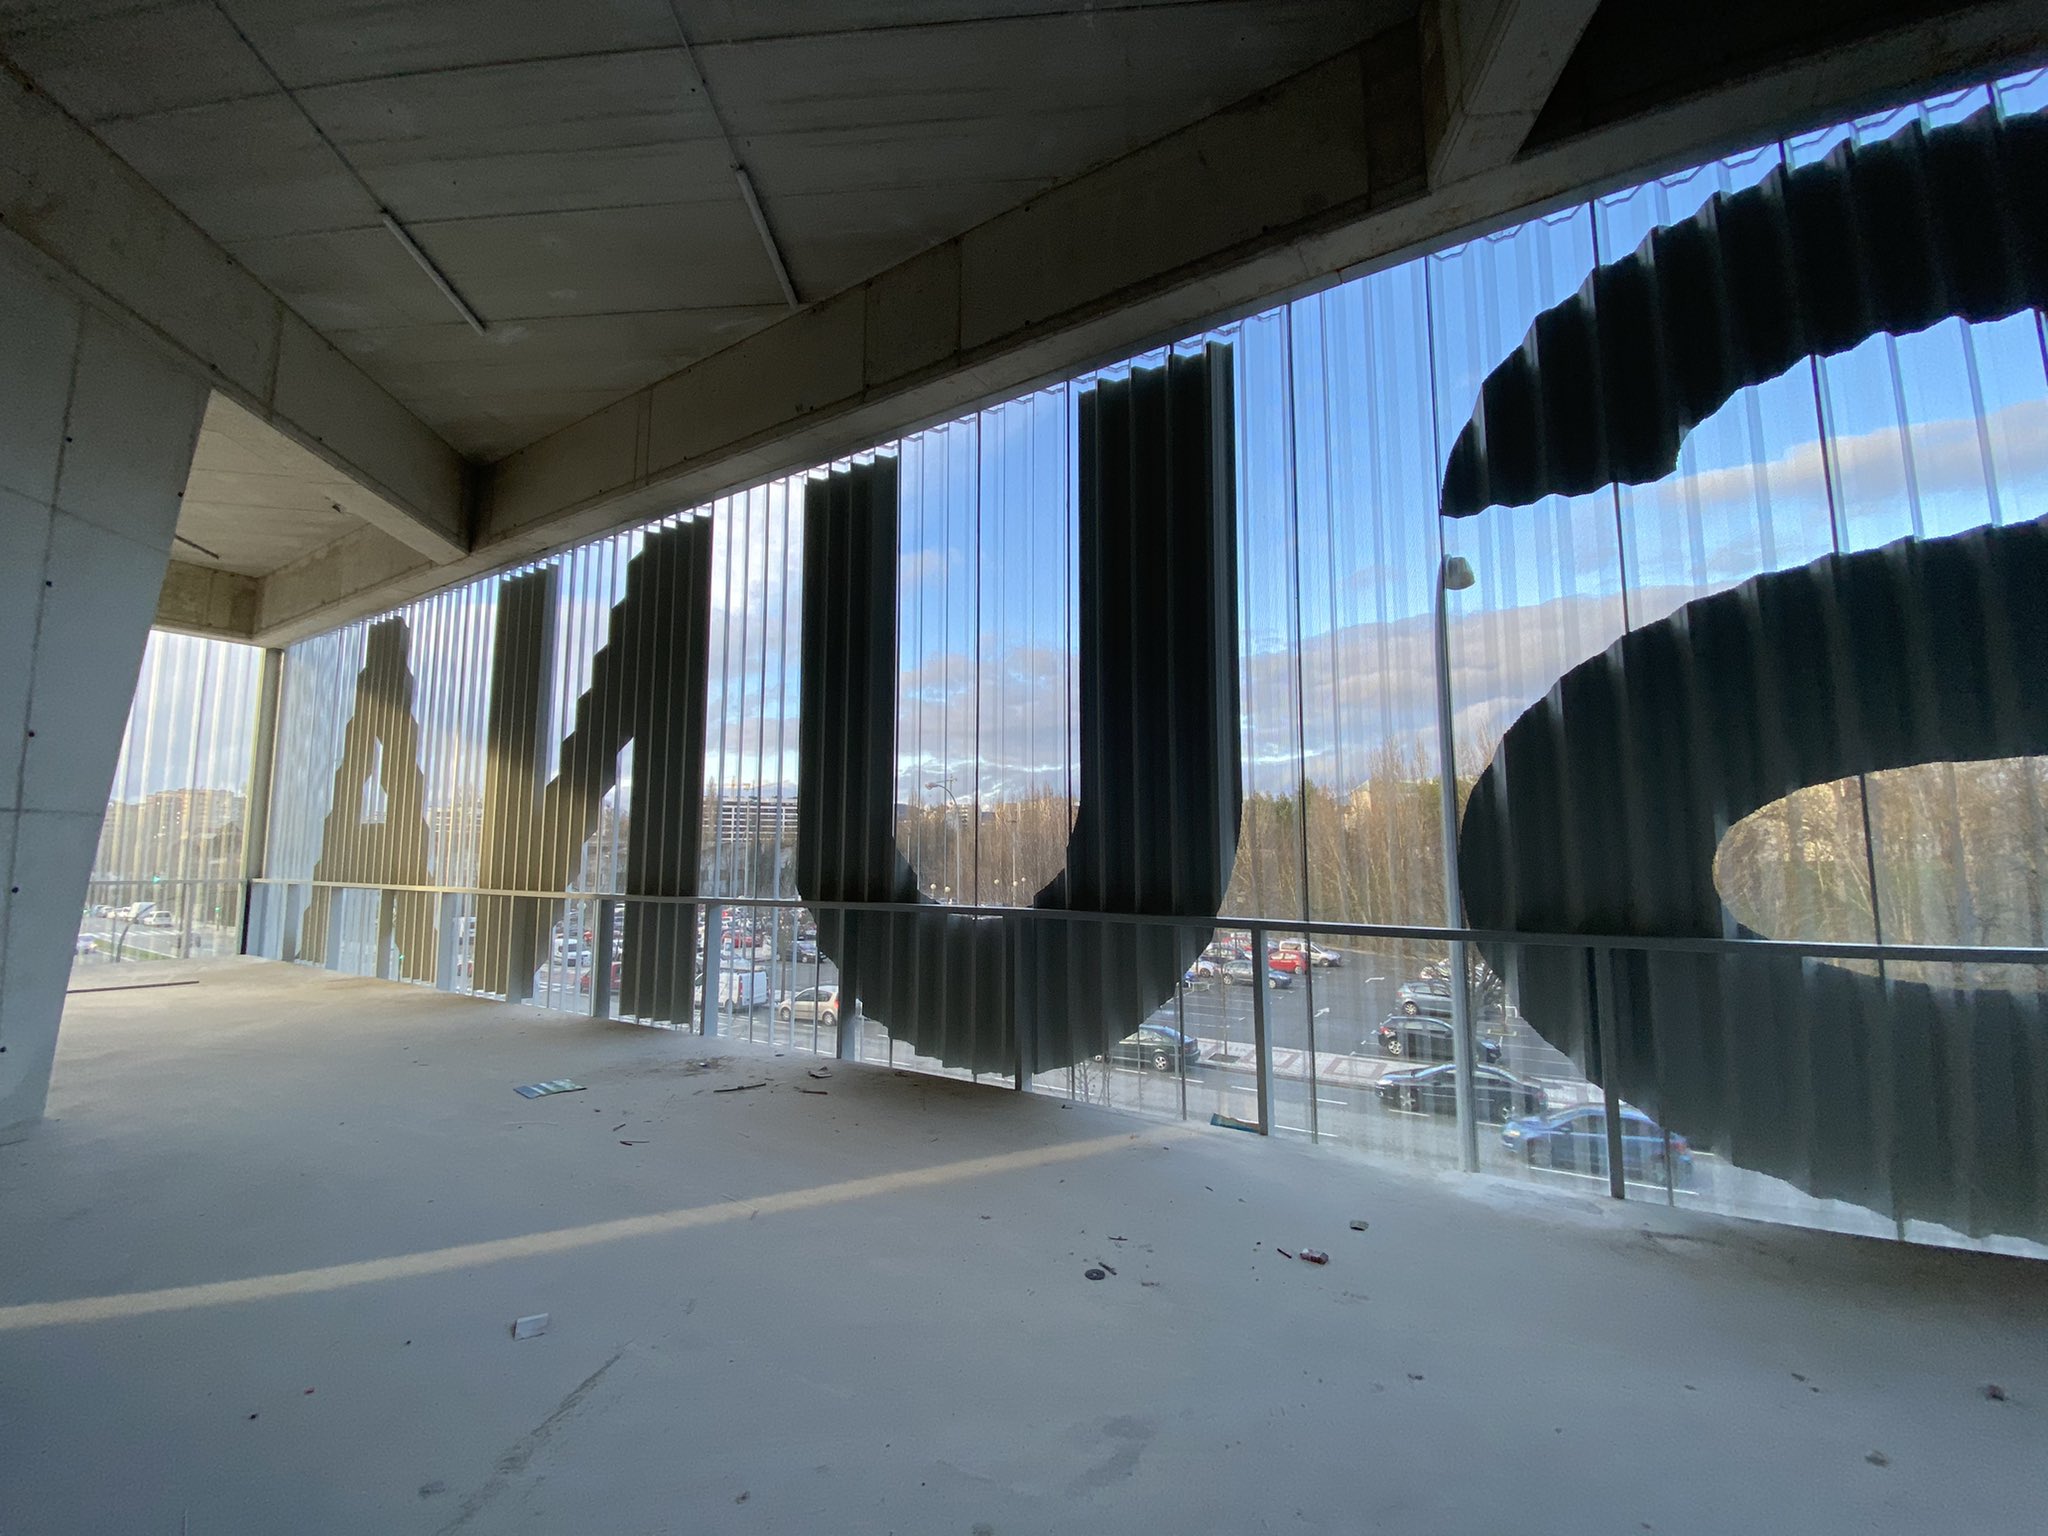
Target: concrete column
[[96, 435]]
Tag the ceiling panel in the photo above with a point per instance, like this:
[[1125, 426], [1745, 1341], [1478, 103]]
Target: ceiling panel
[[317, 42], [560, 104], [682, 256], [244, 170], [833, 240], [1155, 67], [99, 62], [714, 21], [345, 279], [425, 191]]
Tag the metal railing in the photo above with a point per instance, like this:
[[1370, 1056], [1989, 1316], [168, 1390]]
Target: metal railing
[[1328, 1031], [131, 921]]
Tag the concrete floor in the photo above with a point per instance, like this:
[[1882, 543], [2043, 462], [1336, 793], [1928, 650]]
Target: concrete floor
[[260, 1265]]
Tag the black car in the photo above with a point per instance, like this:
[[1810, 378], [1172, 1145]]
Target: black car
[[1158, 1046], [1497, 1095], [1423, 1039]]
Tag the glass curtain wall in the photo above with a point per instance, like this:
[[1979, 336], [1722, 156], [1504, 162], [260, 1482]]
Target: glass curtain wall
[[1347, 404], [167, 879]]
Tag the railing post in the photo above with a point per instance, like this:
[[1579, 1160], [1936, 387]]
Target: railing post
[[601, 960], [714, 943], [447, 940], [1600, 986], [1262, 1047], [387, 931], [337, 899], [262, 764]]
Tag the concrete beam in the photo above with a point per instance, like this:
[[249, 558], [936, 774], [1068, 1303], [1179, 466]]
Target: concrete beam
[[1488, 68], [198, 600], [1320, 176], [106, 234]]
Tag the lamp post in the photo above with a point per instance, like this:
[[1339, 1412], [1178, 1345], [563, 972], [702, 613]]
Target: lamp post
[[1455, 575], [953, 800]]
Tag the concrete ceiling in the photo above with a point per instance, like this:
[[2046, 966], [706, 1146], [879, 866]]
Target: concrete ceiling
[[255, 501], [563, 165]]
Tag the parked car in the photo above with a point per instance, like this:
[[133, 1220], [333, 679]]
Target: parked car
[[1497, 1094], [85, 944], [1292, 961], [157, 917], [1158, 1046], [1240, 973], [1425, 994], [1204, 973], [804, 951], [1424, 1039], [1575, 1140], [820, 1003], [1431, 996], [1317, 955]]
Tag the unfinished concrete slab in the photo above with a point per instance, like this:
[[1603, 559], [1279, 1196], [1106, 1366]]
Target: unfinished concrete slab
[[265, 1257]]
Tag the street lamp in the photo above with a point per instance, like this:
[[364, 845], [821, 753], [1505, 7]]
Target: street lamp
[[1454, 575], [953, 800]]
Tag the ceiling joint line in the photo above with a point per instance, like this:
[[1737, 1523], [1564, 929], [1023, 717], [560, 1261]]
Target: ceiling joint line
[[740, 174], [441, 281]]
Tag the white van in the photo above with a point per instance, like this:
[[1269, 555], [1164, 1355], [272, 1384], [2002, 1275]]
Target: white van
[[739, 989]]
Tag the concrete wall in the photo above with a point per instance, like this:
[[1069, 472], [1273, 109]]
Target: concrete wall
[[96, 435]]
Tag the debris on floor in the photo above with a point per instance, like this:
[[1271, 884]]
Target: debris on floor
[[1360, 1226], [1230, 1124], [1994, 1391], [1093, 1274], [1104, 1267], [742, 1087], [632, 1143], [1314, 1256], [1878, 1459], [819, 1092], [530, 1327], [542, 1090], [821, 1071]]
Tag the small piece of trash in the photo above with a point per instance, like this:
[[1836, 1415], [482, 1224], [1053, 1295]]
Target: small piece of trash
[[1415, 1376], [1149, 1284], [1878, 1459], [1281, 1251], [743, 1497], [816, 1092], [742, 1087], [1994, 1391], [428, 1490], [530, 1327], [542, 1090], [1229, 1123], [1104, 1267], [1093, 1274], [632, 1143], [821, 1071], [619, 1127], [1360, 1226], [1119, 1239], [252, 1415], [1797, 1377], [1314, 1256]]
